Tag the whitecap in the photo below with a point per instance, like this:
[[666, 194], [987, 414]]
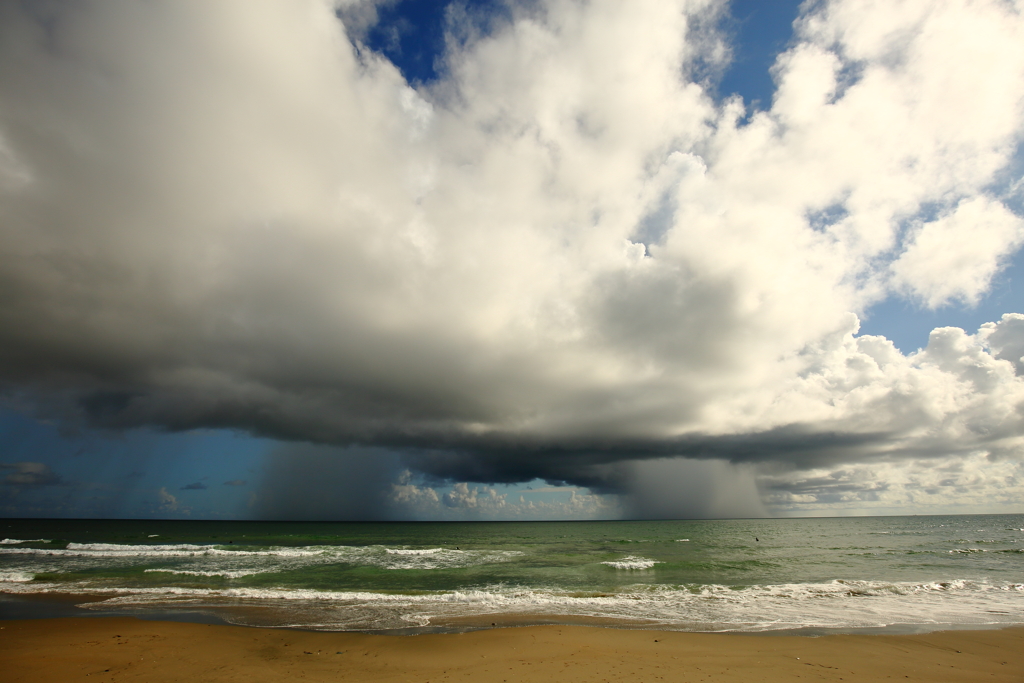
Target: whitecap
[[226, 573], [404, 551], [632, 562]]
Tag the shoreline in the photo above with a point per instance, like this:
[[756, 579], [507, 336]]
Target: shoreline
[[33, 606], [116, 648]]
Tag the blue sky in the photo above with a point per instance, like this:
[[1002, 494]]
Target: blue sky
[[189, 451]]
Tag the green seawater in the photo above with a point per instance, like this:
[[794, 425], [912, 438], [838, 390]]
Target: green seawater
[[761, 574]]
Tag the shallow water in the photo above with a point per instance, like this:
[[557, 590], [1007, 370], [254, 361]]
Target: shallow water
[[719, 575]]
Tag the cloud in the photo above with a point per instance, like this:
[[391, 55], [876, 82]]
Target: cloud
[[236, 482], [168, 503], [1006, 339], [463, 502], [560, 258], [196, 486], [945, 485], [30, 474], [940, 265]]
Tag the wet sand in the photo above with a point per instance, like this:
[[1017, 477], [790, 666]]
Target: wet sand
[[125, 648]]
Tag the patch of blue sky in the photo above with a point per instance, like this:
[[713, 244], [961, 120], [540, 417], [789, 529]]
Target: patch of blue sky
[[908, 323], [759, 31], [413, 34]]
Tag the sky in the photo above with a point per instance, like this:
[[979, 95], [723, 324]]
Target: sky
[[548, 259]]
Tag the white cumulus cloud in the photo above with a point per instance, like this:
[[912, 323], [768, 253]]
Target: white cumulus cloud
[[561, 255]]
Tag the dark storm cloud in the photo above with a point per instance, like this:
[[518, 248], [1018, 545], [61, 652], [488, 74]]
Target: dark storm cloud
[[600, 466], [227, 215]]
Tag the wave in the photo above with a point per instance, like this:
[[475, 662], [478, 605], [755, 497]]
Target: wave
[[223, 572], [503, 594], [835, 604], [277, 558], [632, 562], [404, 551], [144, 552], [15, 541]]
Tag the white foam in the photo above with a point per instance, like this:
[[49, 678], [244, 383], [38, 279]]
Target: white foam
[[223, 572], [632, 562], [15, 577], [834, 604], [755, 608], [114, 550], [15, 541], [403, 551], [682, 540], [228, 561]]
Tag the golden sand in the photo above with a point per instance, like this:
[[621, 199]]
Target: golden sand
[[128, 649]]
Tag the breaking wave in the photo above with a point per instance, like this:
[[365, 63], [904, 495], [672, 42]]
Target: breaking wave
[[237, 561], [632, 562], [834, 604]]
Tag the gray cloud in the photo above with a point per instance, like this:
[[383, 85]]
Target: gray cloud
[[236, 482], [942, 484], [167, 502], [29, 474], [195, 486], [226, 215]]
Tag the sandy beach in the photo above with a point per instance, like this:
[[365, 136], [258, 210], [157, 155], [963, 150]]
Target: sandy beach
[[121, 648]]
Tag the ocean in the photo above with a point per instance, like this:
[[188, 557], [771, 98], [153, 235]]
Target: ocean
[[895, 574]]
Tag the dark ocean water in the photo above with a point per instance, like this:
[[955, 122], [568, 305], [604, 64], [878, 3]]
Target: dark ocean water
[[733, 575]]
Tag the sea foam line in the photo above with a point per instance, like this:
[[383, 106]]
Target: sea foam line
[[427, 551], [210, 559], [226, 573], [697, 607], [500, 595]]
